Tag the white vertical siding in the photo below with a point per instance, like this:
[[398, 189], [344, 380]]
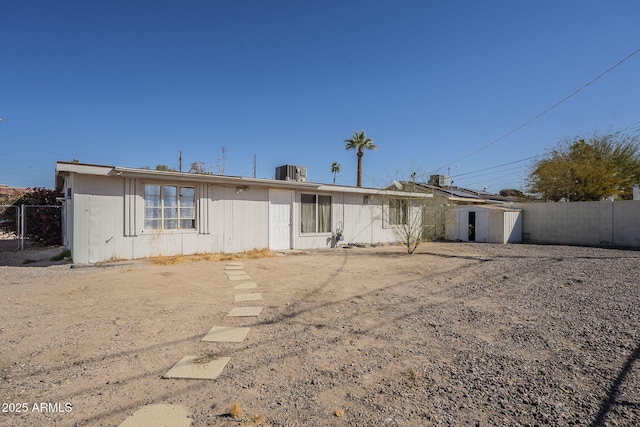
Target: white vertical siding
[[493, 225], [130, 196], [482, 226], [361, 222], [98, 218], [512, 227], [202, 207], [105, 217]]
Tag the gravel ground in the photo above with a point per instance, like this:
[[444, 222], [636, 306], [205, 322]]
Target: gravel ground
[[457, 334]]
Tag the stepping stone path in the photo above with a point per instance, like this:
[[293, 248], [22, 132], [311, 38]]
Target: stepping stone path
[[246, 285], [194, 367], [248, 297], [199, 368], [159, 416], [245, 312], [226, 334]]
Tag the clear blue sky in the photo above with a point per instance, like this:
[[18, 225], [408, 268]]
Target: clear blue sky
[[131, 83]]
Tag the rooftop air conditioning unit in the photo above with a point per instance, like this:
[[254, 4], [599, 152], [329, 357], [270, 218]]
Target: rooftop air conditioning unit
[[440, 180], [291, 173]]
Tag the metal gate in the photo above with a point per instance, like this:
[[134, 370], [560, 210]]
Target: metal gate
[[433, 222], [36, 224]]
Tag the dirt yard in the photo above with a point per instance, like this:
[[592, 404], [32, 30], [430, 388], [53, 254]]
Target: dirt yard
[[457, 334]]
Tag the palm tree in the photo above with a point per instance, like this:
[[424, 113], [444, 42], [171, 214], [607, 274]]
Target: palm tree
[[335, 169], [359, 141]]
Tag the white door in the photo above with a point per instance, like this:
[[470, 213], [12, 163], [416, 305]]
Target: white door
[[280, 219]]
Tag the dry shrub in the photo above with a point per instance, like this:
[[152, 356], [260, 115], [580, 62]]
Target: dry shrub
[[235, 411], [412, 377], [215, 256], [340, 413], [256, 420], [207, 357]]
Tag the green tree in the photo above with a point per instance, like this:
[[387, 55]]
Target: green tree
[[165, 168], [587, 169], [360, 142], [335, 169], [514, 193]]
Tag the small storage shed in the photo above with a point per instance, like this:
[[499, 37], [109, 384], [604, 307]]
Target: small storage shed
[[486, 224]]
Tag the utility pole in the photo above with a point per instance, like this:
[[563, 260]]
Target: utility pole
[[255, 164], [180, 168]]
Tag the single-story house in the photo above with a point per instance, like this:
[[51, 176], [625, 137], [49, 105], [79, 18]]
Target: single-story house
[[482, 223], [112, 212]]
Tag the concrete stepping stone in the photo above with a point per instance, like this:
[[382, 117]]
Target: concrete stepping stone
[[162, 415], [233, 267], [246, 285], [248, 297], [244, 277], [191, 368], [226, 334], [245, 311], [235, 272]]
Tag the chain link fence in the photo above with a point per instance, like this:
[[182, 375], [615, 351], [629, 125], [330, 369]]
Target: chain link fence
[[24, 225], [433, 222]]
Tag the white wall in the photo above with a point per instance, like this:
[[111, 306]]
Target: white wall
[[512, 227], [107, 220], [365, 223], [582, 223], [360, 222], [97, 206], [492, 225]]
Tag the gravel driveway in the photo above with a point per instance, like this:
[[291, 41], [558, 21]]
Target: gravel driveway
[[456, 334]]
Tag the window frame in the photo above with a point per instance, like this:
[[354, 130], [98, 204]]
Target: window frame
[[398, 209], [163, 201], [317, 214]]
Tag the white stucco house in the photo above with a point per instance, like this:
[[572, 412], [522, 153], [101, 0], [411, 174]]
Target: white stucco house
[[112, 212]]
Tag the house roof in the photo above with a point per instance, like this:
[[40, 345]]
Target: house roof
[[64, 168]]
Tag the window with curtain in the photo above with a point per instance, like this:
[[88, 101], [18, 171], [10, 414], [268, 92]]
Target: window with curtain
[[169, 207], [397, 212], [315, 213]]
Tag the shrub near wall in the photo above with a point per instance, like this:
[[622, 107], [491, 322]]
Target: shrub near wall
[[43, 224]]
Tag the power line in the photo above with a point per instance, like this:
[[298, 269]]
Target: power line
[[493, 167], [475, 174], [487, 174], [545, 111], [631, 126], [493, 179]]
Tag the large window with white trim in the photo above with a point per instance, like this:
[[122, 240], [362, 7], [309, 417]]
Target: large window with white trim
[[315, 213], [169, 207]]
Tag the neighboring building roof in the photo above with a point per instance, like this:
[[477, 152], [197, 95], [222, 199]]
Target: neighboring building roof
[[486, 207], [5, 190], [457, 194]]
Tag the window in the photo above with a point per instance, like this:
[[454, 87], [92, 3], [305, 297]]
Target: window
[[315, 213], [397, 212], [169, 207]]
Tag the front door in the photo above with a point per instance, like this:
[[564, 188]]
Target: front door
[[280, 219]]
